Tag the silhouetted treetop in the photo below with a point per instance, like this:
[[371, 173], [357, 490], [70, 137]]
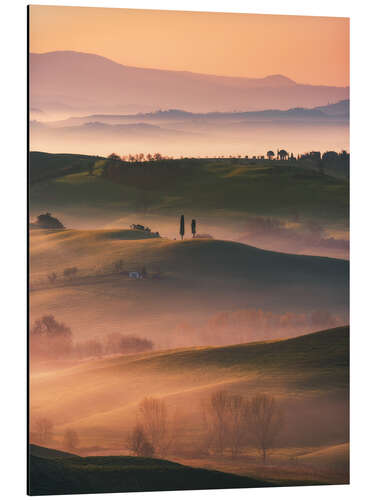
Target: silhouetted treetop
[[46, 221]]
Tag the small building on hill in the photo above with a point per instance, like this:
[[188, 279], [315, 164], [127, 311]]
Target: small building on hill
[[135, 275]]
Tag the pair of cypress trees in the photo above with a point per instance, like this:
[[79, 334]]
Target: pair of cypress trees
[[182, 227]]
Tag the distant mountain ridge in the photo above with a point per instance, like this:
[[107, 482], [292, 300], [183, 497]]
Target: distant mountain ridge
[[67, 81], [339, 110]]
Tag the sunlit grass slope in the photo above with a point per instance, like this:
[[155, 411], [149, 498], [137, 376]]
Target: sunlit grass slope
[[333, 457], [198, 279], [234, 188], [100, 397], [200, 259]]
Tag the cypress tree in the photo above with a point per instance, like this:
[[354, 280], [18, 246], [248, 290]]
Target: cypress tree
[[193, 227], [182, 226]]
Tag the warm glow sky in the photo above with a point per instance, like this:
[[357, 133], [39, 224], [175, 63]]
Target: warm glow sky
[[311, 50]]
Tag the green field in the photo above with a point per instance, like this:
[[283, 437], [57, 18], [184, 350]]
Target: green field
[[228, 189]]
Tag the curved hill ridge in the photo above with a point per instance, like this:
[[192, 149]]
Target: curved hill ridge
[[327, 351], [103, 394], [72, 475], [228, 256], [196, 277]]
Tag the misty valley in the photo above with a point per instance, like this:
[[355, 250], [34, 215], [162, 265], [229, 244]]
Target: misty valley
[[188, 250], [153, 337]]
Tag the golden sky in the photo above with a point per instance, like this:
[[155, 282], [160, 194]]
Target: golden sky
[[311, 50]]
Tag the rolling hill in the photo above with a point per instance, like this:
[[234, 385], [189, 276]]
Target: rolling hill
[[99, 398], [197, 280], [74, 475], [61, 183], [331, 457]]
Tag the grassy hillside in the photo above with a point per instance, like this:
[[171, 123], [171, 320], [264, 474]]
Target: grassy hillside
[[318, 359], [332, 457], [236, 188], [44, 166], [74, 475], [100, 397], [42, 452], [199, 278]]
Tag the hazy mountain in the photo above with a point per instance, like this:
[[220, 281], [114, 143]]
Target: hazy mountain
[[66, 81], [340, 108], [337, 111]]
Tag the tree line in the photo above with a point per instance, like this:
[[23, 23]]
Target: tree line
[[52, 339], [231, 423]]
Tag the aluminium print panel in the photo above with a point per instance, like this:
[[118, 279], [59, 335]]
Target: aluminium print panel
[[188, 250]]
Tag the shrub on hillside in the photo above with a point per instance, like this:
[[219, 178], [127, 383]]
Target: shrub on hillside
[[50, 338], [117, 343], [46, 221]]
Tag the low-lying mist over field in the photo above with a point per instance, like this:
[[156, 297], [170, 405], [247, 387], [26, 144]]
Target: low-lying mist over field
[[178, 133], [163, 346], [188, 250]]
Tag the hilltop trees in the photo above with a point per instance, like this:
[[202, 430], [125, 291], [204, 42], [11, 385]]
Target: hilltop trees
[[114, 157], [330, 156], [282, 154]]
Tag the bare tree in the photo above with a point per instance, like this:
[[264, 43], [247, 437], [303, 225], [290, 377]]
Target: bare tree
[[43, 429], [138, 442], [52, 277], [227, 422], [69, 272], [266, 422], [218, 408], [70, 440], [153, 413], [50, 338], [238, 410]]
